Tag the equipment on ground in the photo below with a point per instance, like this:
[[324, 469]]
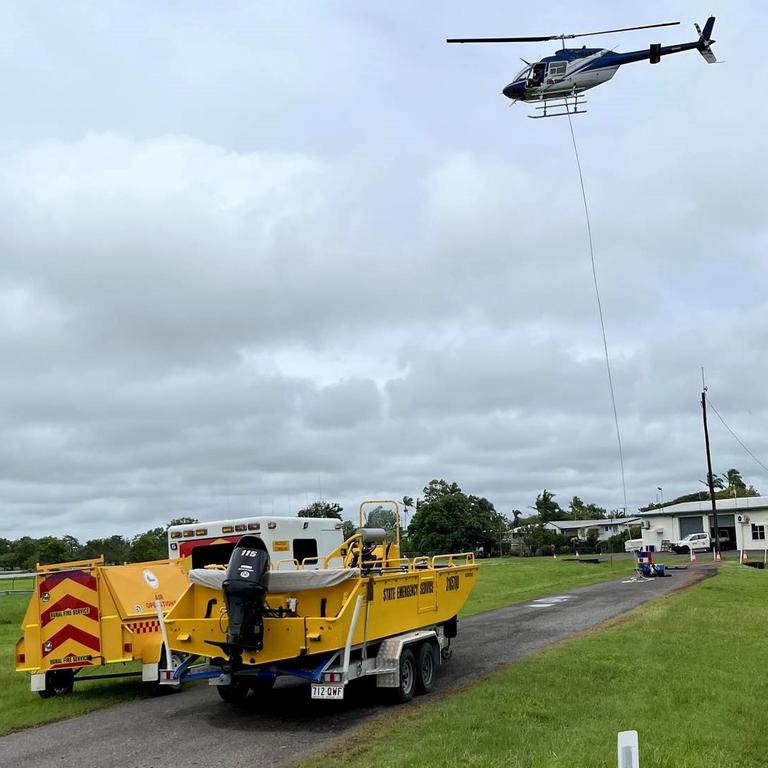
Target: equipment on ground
[[378, 615], [646, 567], [559, 81]]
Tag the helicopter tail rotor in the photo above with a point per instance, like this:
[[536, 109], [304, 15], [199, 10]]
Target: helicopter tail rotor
[[705, 41]]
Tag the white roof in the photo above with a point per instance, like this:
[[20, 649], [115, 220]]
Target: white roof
[[592, 523], [741, 504], [254, 519]]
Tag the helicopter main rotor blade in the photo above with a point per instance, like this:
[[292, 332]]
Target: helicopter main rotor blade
[[626, 29], [544, 38], [539, 39]]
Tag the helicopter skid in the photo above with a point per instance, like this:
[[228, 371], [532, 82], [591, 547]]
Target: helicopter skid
[[557, 106]]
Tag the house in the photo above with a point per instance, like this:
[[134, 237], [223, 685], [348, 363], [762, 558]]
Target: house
[[743, 520], [579, 529]]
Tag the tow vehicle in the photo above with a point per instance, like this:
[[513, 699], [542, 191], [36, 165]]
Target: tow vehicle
[[378, 615]]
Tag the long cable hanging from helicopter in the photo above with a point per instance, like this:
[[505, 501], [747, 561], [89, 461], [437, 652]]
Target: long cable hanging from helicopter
[[557, 83], [600, 312]]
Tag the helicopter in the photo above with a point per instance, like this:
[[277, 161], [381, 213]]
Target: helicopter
[[559, 80]]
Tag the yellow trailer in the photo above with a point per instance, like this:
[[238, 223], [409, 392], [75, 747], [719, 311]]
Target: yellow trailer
[[380, 615], [86, 614]]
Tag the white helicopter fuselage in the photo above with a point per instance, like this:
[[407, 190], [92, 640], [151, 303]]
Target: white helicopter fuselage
[[577, 82], [573, 70], [566, 73]]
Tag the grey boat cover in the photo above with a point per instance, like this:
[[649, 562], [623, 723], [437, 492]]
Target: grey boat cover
[[281, 581]]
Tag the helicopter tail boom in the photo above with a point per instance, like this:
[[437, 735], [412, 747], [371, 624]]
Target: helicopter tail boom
[[655, 51]]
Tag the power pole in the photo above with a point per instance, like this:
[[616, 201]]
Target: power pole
[[710, 476]]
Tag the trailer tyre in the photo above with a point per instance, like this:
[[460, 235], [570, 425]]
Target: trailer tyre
[[244, 691], [426, 666], [237, 692], [408, 676], [59, 682]]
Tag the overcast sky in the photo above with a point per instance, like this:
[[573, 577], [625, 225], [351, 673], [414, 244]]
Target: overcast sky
[[257, 253]]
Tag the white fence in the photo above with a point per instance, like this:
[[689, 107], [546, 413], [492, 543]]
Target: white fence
[[8, 581], [11, 575]]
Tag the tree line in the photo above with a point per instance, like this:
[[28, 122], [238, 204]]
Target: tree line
[[24, 553], [443, 519], [728, 485]]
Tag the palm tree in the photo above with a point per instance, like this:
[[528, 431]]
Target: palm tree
[[717, 482], [407, 505], [735, 481]]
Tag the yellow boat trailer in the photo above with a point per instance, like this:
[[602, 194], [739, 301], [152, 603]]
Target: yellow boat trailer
[[378, 615]]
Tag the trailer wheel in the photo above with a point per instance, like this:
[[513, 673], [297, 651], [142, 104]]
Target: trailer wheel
[[261, 685], [58, 682], [408, 676], [426, 666], [237, 692], [244, 690]]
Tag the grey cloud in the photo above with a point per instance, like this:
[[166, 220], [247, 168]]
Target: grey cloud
[[343, 405], [235, 277]]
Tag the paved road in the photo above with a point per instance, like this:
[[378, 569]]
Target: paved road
[[195, 728]]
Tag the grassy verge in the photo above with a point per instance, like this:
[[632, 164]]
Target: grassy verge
[[19, 708], [684, 671], [516, 579]]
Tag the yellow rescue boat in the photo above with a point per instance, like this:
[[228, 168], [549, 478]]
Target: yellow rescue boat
[[361, 611]]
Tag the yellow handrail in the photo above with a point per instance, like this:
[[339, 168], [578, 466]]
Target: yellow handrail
[[91, 563]]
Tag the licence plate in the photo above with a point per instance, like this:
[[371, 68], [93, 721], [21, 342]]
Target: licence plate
[[327, 691]]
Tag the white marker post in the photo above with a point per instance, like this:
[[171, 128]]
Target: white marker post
[[629, 750], [164, 634]]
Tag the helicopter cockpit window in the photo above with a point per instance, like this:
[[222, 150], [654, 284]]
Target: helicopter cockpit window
[[537, 73], [556, 69]]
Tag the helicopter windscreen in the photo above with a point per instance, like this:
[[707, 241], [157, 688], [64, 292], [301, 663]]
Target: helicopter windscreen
[[522, 74]]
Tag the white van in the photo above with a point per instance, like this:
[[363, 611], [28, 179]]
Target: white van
[[633, 545]]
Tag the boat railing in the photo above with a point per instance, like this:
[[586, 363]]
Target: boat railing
[[349, 550], [462, 558]]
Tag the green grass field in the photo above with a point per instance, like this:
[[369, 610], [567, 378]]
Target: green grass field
[[516, 579], [685, 671]]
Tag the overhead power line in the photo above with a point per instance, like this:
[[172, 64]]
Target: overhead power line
[[735, 436]]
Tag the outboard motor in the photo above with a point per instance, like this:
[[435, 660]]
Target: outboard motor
[[245, 591]]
